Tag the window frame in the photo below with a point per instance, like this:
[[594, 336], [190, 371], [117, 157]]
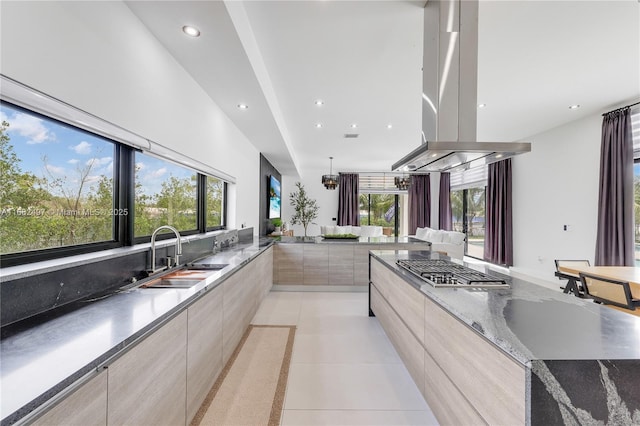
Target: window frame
[[123, 196]]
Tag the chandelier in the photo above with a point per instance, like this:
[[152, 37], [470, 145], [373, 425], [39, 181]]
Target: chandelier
[[402, 183], [330, 181]]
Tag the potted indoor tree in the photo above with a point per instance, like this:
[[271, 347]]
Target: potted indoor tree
[[305, 208], [277, 223]]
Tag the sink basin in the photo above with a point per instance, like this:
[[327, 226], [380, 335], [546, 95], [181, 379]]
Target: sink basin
[[206, 266], [172, 283], [189, 274]]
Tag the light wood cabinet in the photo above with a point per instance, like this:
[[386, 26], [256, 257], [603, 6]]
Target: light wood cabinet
[[465, 378], [165, 377], [409, 348], [341, 268], [316, 264], [147, 385], [446, 401], [339, 264], [204, 348], [489, 379], [86, 406], [237, 295], [288, 264], [361, 264]]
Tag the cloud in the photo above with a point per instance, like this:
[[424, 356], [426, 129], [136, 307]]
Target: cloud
[[30, 127], [141, 166], [158, 173], [55, 170], [93, 178], [97, 162], [82, 148], [73, 161]]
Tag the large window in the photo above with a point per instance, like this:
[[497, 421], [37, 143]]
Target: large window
[[215, 203], [56, 184], [165, 194], [66, 190]]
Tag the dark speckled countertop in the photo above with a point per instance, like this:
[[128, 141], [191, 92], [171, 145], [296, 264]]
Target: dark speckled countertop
[[531, 322], [40, 361]]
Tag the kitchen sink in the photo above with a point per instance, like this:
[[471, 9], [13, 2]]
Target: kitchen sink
[[206, 266], [172, 283], [186, 277]]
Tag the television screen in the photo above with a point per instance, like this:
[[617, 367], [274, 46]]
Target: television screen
[[274, 197]]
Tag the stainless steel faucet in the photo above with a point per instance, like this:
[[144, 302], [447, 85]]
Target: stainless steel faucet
[[178, 249]]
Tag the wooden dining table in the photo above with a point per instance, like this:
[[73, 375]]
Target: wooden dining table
[[630, 274]]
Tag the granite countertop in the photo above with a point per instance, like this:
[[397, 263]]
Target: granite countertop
[[40, 361], [529, 321], [318, 239]]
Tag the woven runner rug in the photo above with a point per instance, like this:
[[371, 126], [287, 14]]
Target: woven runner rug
[[250, 389]]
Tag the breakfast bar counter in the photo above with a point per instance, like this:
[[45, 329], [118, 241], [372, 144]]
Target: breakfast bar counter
[[518, 355], [333, 263]]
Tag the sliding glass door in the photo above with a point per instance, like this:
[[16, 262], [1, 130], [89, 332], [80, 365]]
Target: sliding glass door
[[467, 209], [387, 210]]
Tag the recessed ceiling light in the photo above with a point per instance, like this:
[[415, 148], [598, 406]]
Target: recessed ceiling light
[[354, 125], [318, 125], [319, 102], [576, 106], [191, 31], [243, 106], [482, 105], [389, 126]]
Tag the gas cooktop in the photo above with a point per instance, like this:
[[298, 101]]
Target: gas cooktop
[[443, 273]]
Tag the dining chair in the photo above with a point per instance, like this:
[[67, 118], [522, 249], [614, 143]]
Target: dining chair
[[572, 286], [608, 291]]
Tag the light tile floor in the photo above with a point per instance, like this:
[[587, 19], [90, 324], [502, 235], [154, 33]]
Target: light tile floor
[[344, 370]]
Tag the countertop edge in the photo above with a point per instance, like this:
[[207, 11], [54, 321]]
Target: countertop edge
[[124, 346]]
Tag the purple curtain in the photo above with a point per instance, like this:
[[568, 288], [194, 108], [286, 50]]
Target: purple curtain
[[348, 205], [614, 238], [419, 203], [498, 235], [444, 211]]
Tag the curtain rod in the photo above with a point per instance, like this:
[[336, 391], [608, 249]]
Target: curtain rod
[[621, 108]]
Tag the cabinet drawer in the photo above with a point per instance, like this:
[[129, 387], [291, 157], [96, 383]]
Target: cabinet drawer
[[87, 406], [147, 385], [407, 301], [408, 347], [489, 379]]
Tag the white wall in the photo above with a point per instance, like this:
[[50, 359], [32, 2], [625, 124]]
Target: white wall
[[327, 201], [98, 56], [556, 184]]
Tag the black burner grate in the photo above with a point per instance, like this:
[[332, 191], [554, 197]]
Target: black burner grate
[[442, 273]]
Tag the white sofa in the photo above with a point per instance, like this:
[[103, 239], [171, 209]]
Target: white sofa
[[450, 242], [362, 231]]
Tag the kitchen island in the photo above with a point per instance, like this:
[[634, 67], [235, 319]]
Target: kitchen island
[[334, 263], [519, 355]]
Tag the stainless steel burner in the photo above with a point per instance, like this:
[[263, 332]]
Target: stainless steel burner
[[443, 273]]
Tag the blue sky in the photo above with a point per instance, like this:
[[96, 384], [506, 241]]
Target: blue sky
[[68, 150]]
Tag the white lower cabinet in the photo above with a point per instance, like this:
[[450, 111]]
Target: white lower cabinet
[[147, 385], [86, 406]]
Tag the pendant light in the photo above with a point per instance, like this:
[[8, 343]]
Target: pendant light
[[402, 182], [330, 181]]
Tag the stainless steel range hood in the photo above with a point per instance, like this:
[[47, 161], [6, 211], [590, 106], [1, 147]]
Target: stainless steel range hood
[[449, 107], [455, 156]]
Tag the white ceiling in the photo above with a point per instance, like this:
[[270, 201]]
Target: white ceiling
[[364, 59]]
